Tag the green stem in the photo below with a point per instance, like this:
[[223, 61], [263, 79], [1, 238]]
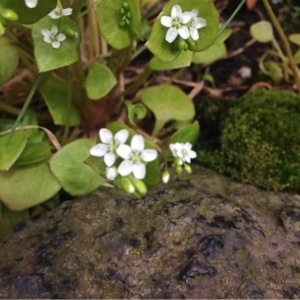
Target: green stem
[[285, 42], [231, 18], [26, 104]]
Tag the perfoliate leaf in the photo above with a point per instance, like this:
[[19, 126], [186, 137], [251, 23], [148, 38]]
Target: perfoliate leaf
[[109, 18], [49, 58], [28, 15], [165, 51], [99, 81]]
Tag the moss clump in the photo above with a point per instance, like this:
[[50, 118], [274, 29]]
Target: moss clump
[[260, 140]]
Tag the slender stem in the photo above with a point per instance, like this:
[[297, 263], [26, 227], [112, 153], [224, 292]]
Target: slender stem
[[26, 104], [231, 18], [285, 42]]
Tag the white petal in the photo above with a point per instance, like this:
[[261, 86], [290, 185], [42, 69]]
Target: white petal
[[139, 171], [47, 39], [137, 143], [54, 30], [54, 14], [186, 17], [184, 32], [193, 154], [109, 159], [111, 173], [125, 168], [171, 35], [166, 21], [31, 3], [187, 146], [176, 11], [149, 155], [121, 136], [99, 150], [45, 32], [61, 37], [55, 44], [194, 13], [199, 23], [67, 11], [105, 135], [194, 34], [124, 151]]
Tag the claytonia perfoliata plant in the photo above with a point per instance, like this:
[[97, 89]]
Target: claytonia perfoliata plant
[[53, 37], [129, 162], [185, 24]]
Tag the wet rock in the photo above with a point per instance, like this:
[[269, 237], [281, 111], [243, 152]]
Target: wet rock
[[199, 236]]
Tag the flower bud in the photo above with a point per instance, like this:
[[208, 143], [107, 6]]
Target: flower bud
[[9, 14], [188, 168], [127, 185], [182, 45], [140, 186], [71, 32], [178, 169], [165, 176]]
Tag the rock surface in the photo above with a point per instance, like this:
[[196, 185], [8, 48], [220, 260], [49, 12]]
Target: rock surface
[[200, 236]]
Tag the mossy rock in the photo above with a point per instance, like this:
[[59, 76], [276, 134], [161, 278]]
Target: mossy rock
[[260, 140]]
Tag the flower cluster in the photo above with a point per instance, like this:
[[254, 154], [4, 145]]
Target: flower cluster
[[127, 163], [185, 24], [121, 159]]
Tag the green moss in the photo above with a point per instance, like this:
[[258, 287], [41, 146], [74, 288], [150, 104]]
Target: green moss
[[260, 140]]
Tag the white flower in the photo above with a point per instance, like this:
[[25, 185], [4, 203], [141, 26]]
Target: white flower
[[53, 37], [60, 12], [135, 157], [165, 176], [182, 151], [31, 3], [109, 145], [195, 24], [111, 173], [177, 24]]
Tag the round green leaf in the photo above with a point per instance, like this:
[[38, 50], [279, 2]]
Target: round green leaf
[[76, 177], [108, 18], [262, 31], [100, 80], [295, 38], [168, 103], [46, 56], [24, 187], [28, 15], [9, 58], [168, 51]]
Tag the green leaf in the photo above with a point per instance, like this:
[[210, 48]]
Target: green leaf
[[168, 103], [295, 38], [100, 80], [25, 187], [9, 58], [34, 153], [297, 57], [76, 177], [188, 133], [108, 17], [165, 51], [216, 51], [11, 148], [181, 61], [8, 220], [262, 31], [274, 70], [46, 56], [28, 15], [55, 94]]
